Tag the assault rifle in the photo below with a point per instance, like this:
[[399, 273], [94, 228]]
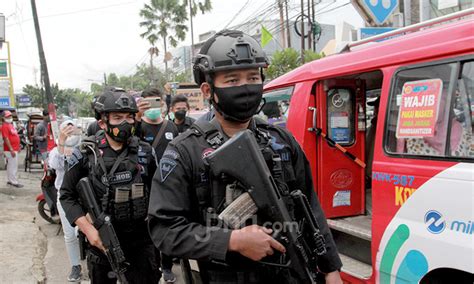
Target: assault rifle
[[241, 158], [107, 234]]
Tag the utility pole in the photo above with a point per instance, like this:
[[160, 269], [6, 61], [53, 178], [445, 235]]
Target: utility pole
[[153, 51], [310, 29], [288, 31], [282, 23], [302, 32], [152, 77], [425, 8], [105, 80], [407, 12], [192, 30], [44, 73], [313, 21], [165, 56]]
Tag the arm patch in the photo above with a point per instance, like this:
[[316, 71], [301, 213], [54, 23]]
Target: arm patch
[[166, 167], [74, 158]]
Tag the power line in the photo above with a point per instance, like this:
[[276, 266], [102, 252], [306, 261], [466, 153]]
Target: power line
[[142, 59], [267, 11], [335, 8], [24, 66], [17, 16], [278, 27], [78, 11], [256, 20], [322, 9], [238, 13]]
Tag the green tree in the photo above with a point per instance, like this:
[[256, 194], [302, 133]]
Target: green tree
[[70, 102], [164, 19], [139, 81], [73, 102], [282, 62], [201, 5], [84, 100], [142, 77], [96, 89], [204, 6], [36, 95], [184, 77], [310, 55], [288, 59]]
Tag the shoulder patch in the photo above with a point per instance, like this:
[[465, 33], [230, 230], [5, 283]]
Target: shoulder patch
[[169, 153], [276, 146], [74, 158], [166, 167], [169, 135]]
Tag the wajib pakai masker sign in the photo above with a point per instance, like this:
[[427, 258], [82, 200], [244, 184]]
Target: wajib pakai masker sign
[[419, 108]]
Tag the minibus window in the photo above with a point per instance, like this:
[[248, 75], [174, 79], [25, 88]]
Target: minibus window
[[277, 105], [419, 113], [462, 114]]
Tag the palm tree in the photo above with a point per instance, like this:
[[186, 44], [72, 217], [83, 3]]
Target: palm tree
[[204, 6], [164, 19]]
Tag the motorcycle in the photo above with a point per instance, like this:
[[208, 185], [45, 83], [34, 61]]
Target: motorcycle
[[23, 137], [47, 207]]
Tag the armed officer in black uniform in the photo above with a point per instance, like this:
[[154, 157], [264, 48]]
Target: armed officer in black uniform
[[120, 168], [182, 200]]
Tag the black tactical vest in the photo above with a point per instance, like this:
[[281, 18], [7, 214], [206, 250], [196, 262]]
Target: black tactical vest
[[212, 199], [118, 182]]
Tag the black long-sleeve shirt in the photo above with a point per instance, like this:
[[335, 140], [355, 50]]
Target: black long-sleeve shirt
[[175, 222]]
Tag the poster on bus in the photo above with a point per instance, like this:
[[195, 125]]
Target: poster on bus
[[419, 108]]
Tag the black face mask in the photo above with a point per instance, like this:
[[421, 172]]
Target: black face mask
[[121, 132], [239, 103], [180, 114]]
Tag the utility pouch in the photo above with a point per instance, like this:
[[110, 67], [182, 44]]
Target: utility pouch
[[139, 201], [121, 204]]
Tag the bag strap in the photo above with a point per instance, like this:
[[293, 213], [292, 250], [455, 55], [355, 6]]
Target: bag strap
[[160, 133]]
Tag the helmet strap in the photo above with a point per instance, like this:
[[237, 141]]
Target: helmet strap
[[261, 107]]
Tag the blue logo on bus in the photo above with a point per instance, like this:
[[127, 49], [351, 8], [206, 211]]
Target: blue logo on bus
[[435, 222], [418, 89]]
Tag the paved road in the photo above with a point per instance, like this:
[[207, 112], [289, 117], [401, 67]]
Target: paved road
[[31, 250]]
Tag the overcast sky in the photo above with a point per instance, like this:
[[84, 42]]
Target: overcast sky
[[85, 38]]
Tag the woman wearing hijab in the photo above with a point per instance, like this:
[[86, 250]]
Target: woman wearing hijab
[[69, 137]]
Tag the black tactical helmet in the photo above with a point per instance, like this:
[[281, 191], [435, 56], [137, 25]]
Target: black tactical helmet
[[228, 50], [114, 100]]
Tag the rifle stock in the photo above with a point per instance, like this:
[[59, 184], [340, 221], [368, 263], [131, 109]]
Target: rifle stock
[[103, 224], [240, 157]]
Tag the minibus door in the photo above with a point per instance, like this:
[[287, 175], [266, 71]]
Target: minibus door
[[341, 116]]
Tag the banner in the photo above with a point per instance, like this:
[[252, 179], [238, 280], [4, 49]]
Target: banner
[[419, 108], [195, 97]]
